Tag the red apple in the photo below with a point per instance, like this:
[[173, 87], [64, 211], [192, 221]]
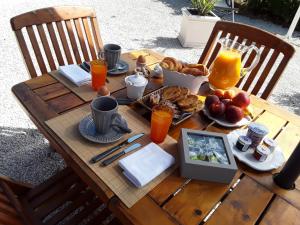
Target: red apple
[[217, 109], [211, 99], [241, 100], [219, 93], [233, 114], [229, 94], [227, 102]]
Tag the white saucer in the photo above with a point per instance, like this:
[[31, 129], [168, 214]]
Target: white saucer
[[274, 160]]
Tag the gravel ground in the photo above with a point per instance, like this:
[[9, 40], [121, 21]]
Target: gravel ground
[[24, 153]]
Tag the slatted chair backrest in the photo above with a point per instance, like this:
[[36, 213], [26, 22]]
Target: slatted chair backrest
[[74, 28], [275, 55]]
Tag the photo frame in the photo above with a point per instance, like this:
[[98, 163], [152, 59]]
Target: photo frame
[[206, 156]]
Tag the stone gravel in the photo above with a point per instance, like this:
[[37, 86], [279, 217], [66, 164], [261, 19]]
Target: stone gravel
[[24, 153]]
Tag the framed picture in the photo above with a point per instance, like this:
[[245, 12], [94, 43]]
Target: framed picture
[[206, 156]]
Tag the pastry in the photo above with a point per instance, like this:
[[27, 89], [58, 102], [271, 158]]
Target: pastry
[[195, 108], [171, 93], [183, 93], [188, 102], [154, 99]]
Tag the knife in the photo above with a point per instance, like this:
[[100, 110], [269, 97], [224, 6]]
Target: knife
[[113, 149], [118, 155]]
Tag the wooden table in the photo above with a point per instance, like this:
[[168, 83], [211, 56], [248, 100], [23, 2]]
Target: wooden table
[[251, 198]]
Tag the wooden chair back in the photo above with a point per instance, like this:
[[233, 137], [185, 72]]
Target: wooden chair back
[[275, 55], [74, 28], [53, 202]]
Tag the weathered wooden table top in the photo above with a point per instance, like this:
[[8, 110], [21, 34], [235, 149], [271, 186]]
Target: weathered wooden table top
[[251, 198]]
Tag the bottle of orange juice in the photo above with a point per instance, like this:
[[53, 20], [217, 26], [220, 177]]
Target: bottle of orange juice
[[226, 70]]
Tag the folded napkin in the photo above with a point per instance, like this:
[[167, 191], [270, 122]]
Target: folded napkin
[[75, 74], [144, 165]]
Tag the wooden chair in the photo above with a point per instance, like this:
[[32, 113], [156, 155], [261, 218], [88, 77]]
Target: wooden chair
[[275, 55], [74, 28], [62, 198]]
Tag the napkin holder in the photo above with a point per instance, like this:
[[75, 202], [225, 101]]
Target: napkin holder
[[206, 156]]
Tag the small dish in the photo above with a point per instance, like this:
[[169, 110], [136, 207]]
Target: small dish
[[274, 160], [124, 65], [88, 130], [221, 121]]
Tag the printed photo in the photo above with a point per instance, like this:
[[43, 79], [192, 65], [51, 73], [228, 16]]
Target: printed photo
[[207, 148]]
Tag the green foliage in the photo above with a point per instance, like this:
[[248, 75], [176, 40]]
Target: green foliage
[[204, 6], [284, 10]]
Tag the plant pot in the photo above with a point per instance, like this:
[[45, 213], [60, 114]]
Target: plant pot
[[195, 30]]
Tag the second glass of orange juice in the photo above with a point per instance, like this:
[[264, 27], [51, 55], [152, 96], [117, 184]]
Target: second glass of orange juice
[[98, 71], [161, 119]]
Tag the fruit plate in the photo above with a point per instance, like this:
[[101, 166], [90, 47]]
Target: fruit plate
[[221, 121], [274, 160], [180, 117]]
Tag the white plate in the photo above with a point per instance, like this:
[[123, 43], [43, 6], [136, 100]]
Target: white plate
[[221, 121], [274, 160]]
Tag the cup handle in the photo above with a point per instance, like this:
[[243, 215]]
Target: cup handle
[[101, 55], [120, 126], [244, 71]]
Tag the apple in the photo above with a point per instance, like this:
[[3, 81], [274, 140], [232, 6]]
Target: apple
[[241, 100], [233, 114], [227, 102], [211, 99], [217, 109], [229, 94], [219, 93]]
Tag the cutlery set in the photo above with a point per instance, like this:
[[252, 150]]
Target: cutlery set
[[108, 152]]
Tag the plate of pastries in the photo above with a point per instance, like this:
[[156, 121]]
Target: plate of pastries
[[183, 103]]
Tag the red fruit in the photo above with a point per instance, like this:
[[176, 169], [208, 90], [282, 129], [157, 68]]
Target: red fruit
[[211, 99], [227, 102], [233, 114], [229, 94], [219, 93], [241, 100], [217, 109]]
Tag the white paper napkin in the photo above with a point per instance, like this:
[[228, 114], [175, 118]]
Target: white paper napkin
[[144, 165], [75, 74]]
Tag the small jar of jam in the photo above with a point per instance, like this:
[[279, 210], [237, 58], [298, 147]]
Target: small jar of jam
[[256, 132], [270, 143], [261, 153], [243, 143]]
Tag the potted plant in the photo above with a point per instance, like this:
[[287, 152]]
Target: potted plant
[[197, 23]]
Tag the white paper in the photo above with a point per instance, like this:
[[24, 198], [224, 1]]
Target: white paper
[[75, 74], [144, 165]]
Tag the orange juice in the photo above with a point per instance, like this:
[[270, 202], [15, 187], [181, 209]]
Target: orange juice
[[161, 119], [98, 71], [226, 70]]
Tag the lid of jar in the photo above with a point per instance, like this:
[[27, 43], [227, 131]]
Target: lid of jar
[[136, 80], [263, 150], [259, 129], [245, 140], [269, 142]]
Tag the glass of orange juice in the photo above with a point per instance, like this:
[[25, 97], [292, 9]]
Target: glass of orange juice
[[161, 119], [226, 70], [98, 71]]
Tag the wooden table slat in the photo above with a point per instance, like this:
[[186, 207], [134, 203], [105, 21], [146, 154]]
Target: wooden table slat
[[40, 81], [51, 91], [192, 204], [281, 212], [243, 206], [65, 102]]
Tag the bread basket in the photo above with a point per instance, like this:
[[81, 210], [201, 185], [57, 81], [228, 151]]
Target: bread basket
[[174, 78]]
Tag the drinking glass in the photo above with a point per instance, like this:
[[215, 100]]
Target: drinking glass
[[161, 119], [98, 71]]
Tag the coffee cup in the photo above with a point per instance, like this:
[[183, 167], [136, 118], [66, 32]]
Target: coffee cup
[[112, 53], [104, 113]]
